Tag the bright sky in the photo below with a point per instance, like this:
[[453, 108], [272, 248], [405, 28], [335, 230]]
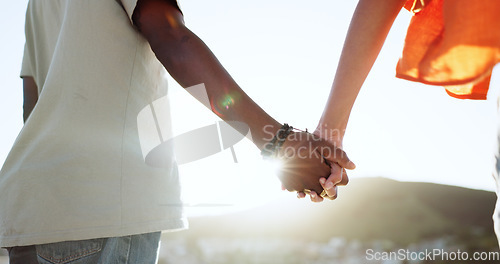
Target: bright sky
[[284, 54]]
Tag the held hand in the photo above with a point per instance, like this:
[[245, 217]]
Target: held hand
[[305, 160], [338, 175]]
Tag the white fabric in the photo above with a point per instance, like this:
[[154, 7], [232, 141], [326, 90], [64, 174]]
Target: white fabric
[[76, 170]]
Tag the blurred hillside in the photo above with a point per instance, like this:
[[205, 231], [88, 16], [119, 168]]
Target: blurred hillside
[[369, 213], [367, 209]]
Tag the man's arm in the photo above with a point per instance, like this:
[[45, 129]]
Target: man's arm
[[190, 62], [30, 91]]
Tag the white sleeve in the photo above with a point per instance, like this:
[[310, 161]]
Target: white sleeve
[[26, 66], [129, 6]]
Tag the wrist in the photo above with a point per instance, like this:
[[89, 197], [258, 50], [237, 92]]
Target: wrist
[[273, 147], [262, 136], [332, 133]]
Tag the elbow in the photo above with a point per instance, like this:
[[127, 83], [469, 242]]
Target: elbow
[[159, 22]]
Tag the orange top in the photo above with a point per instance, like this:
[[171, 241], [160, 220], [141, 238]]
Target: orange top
[[452, 43]]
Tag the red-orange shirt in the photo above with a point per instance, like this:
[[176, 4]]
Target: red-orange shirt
[[452, 43]]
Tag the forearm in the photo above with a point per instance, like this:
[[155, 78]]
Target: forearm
[[367, 32], [190, 62], [30, 94]]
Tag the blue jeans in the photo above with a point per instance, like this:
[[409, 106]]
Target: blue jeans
[[141, 249]]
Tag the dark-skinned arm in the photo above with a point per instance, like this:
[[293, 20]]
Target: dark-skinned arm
[[190, 62], [30, 94]]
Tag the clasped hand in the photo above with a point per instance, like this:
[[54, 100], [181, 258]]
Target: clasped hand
[[307, 161]]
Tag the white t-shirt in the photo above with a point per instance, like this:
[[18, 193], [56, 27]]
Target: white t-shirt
[[77, 170]]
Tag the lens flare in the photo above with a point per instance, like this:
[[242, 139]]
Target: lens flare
[[227, 102], [224, 103]]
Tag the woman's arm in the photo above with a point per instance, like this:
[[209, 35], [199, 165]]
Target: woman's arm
[[367, 32]]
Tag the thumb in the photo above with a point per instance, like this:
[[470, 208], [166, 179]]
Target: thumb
[[333, 154]]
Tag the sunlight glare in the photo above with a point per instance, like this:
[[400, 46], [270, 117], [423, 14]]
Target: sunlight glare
[[215, 185]]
